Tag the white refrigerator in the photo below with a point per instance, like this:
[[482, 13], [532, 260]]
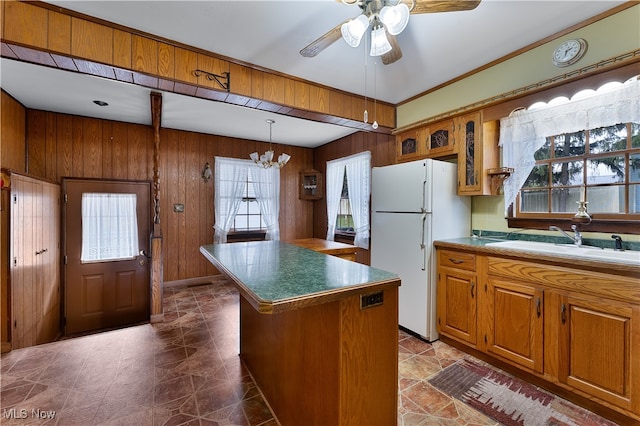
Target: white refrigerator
[[412, 205]]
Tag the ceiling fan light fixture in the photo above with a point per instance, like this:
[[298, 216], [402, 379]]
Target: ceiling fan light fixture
[[395, 18], [379, 43], [353, 30]]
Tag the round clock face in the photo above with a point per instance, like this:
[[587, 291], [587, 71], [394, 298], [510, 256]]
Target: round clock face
[[569, 52]]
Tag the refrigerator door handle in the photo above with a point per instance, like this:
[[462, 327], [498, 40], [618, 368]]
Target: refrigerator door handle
[[424, 195], [422, 246]]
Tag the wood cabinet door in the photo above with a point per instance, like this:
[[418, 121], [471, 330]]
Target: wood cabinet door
[[598, 349], [468, 140], [515, 322], [477, 145], [410, 145], [439, 139], [457, 304]]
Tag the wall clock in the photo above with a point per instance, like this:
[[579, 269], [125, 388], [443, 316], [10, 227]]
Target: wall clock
[[569, 52]]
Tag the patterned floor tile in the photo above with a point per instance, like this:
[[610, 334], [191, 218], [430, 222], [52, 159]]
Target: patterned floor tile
[[186, 371]]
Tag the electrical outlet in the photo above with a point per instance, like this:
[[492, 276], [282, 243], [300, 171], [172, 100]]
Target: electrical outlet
[[371, 300]]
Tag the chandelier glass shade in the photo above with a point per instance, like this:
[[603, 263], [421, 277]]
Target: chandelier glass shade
[[266, 160], [391, 19]]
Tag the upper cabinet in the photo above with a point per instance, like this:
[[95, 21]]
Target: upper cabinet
[[474, 141], [477, 145], [440, 139], [310, 185], [411, 145]]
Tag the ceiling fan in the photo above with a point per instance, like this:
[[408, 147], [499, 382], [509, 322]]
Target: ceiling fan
[[387, 18]]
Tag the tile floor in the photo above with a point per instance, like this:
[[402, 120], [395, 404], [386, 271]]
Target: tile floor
[[185, 371]]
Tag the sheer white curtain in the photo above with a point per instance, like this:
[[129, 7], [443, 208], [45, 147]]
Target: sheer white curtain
[[358, 167], [334, 177], [267, 187], [230, 181], [524, 132], [359, 182], [109, 227]]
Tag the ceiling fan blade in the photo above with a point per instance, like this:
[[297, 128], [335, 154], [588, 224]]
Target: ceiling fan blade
[[322, 42], [395, 53], [435, 6]]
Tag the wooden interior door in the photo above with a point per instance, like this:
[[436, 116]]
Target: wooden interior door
[[34, 261], [105, 294]]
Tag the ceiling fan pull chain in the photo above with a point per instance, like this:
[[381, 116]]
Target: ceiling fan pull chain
[[375, 94], [366, 113]]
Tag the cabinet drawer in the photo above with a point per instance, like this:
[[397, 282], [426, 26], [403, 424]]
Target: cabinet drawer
[[588, 282], [452, 259]]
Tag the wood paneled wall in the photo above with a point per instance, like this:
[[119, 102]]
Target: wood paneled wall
[[12, 147], [60, 145], [383, 152]]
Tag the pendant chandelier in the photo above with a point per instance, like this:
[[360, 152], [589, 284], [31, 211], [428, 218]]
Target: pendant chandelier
[[266, 160]]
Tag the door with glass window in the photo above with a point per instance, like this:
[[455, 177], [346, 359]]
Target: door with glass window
[[106, 241]]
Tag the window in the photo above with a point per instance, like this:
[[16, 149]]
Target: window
[[600, 166], [109, 227], [348, 191], [248, 217], [564, 151], [345, 219], [246, 201]]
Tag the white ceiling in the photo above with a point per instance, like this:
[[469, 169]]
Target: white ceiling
[[270, 33]]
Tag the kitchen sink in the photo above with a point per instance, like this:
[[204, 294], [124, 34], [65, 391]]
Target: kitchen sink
[[588, 252]]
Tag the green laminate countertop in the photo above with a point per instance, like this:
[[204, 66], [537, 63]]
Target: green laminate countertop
[[275, 276], [481, 245]]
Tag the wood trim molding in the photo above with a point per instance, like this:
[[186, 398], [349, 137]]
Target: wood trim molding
[[108, 50], [616, 62]]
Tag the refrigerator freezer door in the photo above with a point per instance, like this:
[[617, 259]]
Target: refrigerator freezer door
[[396, 246], [399, 187]]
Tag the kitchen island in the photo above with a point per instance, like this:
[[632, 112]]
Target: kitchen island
[[319, 334]]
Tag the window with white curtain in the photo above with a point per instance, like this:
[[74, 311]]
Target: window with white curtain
[[354, 173], [109, 227], [566, 150], [247, 198]]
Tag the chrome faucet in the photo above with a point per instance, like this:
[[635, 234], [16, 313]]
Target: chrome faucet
[[576, 238]]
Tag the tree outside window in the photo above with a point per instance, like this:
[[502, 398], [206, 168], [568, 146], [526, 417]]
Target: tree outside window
[[602, 165], [345, 219]]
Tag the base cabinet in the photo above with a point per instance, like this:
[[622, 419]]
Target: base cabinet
[[576, 329], [601, 340], [456, 298], [514, 326]]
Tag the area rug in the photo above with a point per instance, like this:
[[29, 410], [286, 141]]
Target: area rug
[[508, 400]]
